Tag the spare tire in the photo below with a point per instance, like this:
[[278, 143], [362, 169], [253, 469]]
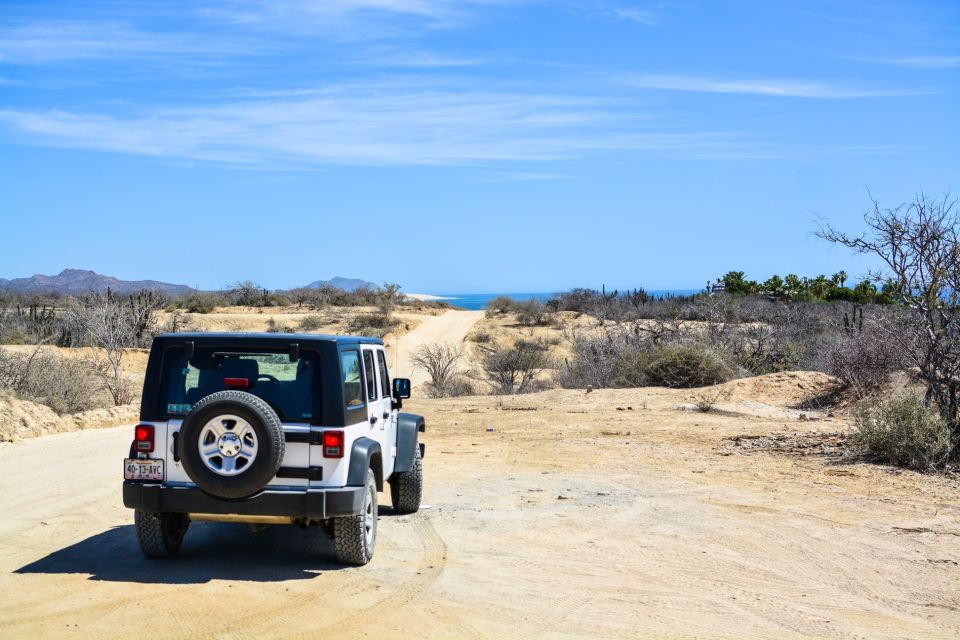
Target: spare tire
[[231, 444]]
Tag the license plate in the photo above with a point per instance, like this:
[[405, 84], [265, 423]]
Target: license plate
[[136, 469]]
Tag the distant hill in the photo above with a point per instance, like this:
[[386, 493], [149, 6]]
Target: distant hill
[[79, 281], [347, 284]]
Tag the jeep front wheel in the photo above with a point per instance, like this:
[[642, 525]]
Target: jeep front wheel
[[355, 536], [160, 535]]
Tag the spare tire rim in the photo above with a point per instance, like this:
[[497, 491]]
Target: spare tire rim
[[228, 445]]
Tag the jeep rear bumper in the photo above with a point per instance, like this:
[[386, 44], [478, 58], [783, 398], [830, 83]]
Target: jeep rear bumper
[[312, 504]]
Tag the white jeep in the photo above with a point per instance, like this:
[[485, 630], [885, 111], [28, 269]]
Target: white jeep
[[271, 429]]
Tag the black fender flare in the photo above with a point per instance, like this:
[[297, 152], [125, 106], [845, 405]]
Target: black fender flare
[[365, 454], [408, 426]]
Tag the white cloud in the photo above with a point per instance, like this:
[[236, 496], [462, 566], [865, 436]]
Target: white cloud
[[365, 125], [927, 62], [58, 42], [778, 88], [642, 16]]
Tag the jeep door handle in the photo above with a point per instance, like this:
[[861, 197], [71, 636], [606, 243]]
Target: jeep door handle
[[386, 415], [373, 419]]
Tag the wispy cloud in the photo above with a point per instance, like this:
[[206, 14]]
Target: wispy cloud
[[927, 62], [45, 43], [777, 88], [635, 14], [364, 125]]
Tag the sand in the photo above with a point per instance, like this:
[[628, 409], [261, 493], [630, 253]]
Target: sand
[[613, 514]]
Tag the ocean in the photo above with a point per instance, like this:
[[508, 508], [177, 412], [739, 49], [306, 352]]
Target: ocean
[[478, 301]]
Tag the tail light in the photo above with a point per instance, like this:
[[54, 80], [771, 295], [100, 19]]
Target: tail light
[[236, 383], [143, 438], [333, 444]]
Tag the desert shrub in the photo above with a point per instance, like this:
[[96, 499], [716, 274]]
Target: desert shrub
[[500, 304], [530, 313], [312, 322], [66, 385], [275, 327], [440, 361], [511, 369], [178, 322], [903, 431], [371, 324], [608, 358], [863, 360], [457, 386], [684, 366], [199, 302], [481, 337]]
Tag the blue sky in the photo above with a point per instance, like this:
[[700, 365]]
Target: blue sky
[[484, 145]]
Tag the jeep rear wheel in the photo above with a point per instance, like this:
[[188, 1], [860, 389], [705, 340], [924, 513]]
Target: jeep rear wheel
[[160, 535], [406, 488], [356, 536], [231, 444]]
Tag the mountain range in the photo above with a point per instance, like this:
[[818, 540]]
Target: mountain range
[[347, 284], [80, 281]]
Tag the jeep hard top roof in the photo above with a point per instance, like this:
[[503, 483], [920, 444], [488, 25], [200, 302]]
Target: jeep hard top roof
[[332, 409], [281, 338]]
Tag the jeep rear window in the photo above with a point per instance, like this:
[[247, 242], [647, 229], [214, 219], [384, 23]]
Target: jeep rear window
[[291, 388]]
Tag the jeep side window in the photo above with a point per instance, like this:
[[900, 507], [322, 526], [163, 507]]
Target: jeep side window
[[370, 375], [384, 378], [352, 387]]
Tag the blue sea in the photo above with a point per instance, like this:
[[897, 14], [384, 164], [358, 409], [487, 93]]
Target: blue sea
[[478, 301]]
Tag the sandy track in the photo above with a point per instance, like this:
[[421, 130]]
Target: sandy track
[[605, 515], [451, 327]]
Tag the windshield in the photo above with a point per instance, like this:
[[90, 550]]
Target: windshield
[[291, 388]]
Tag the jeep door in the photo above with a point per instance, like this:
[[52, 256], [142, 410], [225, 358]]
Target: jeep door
[[390, 428], [378, 408]]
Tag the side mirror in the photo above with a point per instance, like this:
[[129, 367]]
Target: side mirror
[[401, 388]]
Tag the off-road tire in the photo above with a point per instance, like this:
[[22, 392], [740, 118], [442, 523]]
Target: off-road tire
[[160, 535], [270, 444], [350, 533], [406, 488]]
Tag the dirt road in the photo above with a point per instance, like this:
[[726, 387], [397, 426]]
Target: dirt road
[[451, 327], [610, 514]]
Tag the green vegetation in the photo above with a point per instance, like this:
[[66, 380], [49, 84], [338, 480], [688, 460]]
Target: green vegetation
[[903, 431], [820, 288]]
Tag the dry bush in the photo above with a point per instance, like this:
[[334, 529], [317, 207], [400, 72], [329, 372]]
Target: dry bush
[[481, 337], [375, 325], [864, 360], [918, 245], [633, 356], [512, 369], [111, 324], [687, 365], [66, 385], [312, 323], [706, 401], [276, 327], [531, 313], [903, 431], [500, 304], [440, 361]]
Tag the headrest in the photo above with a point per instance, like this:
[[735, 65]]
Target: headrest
[[241, 368]]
